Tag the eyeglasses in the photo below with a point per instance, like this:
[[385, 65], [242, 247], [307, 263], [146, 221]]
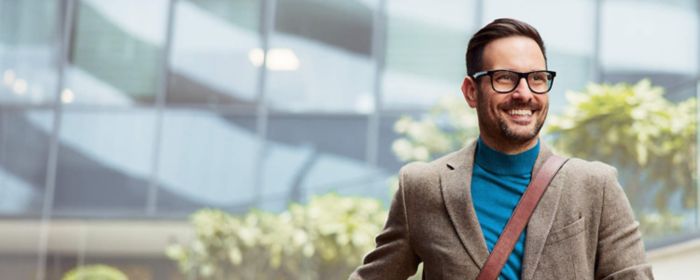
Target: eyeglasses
[[505, 81]]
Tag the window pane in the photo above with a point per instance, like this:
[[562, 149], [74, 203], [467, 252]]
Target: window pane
[[213, 52], [116, 52], [320, 57], [24, 147], [574, 72], [104, 163], [206, 160], [668, 59], [425, 51], [626, 24], [314, 154], [27, 51]]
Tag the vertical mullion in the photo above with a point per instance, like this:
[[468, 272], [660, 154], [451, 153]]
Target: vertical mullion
[[478, 14], [697, 120], [267, 23], [379, 38], [597, 68], [697, 154], [152, 198], [65, 28]]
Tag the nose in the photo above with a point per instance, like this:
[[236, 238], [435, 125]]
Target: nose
[[522, 91]]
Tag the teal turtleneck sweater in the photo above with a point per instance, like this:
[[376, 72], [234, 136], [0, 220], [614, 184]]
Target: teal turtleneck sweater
[[498, 182]]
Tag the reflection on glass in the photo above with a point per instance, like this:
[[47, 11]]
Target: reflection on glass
[[321, 57], [27, 54], [214, 51], [23, 156], [206, 160], [626, 24], [116, 51], [277, 59], [573, 73], [104, 163], [567, 28], [308, 155], [424, 51], [668, 59]]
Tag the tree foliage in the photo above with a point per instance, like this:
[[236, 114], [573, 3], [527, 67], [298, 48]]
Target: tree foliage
[[443, 129], [95, 272], [636, 129]]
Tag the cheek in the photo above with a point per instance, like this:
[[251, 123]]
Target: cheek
[[542, 98], [545, 103], [496, 101]]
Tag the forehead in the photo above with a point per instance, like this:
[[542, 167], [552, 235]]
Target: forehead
[[517, 53]]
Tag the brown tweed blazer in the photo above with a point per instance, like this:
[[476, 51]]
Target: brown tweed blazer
[[583, 228]]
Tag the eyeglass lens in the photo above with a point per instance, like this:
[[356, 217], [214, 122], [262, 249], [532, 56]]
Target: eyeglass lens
[[507, 81]]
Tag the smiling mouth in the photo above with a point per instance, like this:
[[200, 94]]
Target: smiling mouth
[[520, 112], [521, 116]]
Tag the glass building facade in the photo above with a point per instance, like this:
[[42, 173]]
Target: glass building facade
[[118, 119]]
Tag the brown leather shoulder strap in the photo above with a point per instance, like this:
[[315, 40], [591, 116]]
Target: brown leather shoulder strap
[[521, 215]]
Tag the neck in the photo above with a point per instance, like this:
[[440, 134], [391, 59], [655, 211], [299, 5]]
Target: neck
[[509, 147]]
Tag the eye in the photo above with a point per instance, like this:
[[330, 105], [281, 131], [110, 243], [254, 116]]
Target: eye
[[540, 77], [504, 77]]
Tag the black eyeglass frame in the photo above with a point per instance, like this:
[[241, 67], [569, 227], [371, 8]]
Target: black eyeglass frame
[[490, 73]]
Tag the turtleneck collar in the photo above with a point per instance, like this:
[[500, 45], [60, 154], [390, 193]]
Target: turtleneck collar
[[505, 164]]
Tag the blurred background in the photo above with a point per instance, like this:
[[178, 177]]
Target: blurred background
[[259, 139]]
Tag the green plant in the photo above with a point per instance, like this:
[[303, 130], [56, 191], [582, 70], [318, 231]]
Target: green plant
[[633, 127], [443, 129], [94, 272], [324, 239], [656, 224]]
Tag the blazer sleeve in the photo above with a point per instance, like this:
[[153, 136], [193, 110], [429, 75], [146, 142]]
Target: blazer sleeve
[[393, 258], [620, 252]]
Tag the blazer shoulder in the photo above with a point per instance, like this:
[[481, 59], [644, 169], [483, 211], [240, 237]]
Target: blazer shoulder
[[590, 168], [418, 173], [591, 175], [429, 169]]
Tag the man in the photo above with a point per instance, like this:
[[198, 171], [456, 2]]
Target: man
[[449, 213]]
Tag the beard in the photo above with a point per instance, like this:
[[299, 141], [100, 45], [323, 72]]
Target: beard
[[506, 131], [519, 138]]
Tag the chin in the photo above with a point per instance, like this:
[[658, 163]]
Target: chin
[[520, 138], [519, 135]]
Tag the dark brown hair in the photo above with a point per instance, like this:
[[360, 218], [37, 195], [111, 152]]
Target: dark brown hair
[[499, 28]]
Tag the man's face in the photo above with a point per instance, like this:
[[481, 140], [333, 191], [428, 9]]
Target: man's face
[[515, 118]]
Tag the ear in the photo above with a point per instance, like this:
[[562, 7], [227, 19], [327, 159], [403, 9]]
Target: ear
[[469, 91]]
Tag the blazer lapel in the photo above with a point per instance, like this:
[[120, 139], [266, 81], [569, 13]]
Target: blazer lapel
[[541, 221], [456, 191]]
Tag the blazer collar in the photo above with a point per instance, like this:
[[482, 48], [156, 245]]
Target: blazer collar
[[455, 186]]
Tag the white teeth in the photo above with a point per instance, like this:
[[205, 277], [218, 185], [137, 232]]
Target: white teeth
[[520, 112]]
